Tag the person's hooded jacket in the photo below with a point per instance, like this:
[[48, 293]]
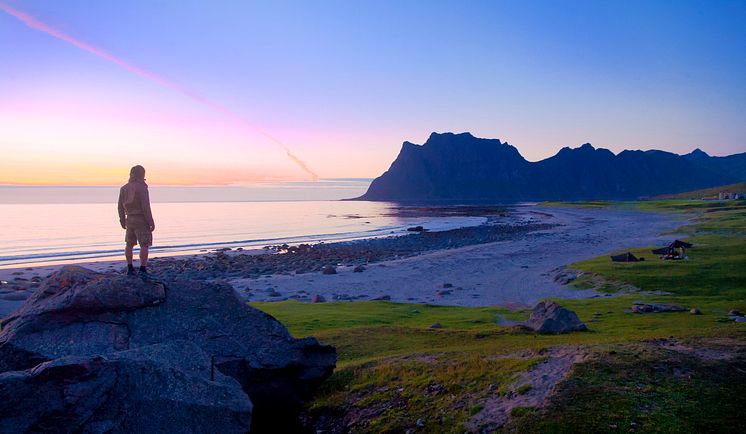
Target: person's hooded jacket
[[135, 200]]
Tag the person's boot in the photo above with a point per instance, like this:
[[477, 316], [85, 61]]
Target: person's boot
[[130, 270]]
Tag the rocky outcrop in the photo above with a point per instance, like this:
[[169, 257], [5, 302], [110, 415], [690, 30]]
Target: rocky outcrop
[[82, 317], [461, 167], [160, 388], [550, 317]]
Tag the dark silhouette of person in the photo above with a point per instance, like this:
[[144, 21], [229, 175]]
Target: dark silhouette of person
[[136, 218]]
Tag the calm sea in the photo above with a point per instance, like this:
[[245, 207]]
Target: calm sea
[[44, 225]]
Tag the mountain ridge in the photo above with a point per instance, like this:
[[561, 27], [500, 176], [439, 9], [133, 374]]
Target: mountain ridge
[[462, 167]]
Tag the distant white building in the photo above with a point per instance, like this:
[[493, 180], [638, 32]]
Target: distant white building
[[726, 195]]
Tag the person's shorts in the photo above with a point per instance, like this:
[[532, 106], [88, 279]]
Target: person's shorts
[[138, 231]]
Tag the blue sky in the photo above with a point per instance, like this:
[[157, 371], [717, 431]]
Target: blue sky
[[343, 83]]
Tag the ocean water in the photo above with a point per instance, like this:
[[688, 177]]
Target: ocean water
[[56, 225]]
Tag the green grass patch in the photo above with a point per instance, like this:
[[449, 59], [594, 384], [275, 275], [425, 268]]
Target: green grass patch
[[578, 204], [468, 329], [637, 389], [716, 267], [442, 391]]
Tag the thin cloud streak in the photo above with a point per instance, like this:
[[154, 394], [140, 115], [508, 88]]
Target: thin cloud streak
[[35, 24]]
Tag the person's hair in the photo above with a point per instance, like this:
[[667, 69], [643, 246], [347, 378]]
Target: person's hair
[[137, 172]]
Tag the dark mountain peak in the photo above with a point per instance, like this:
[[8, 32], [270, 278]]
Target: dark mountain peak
[[453, 138], [584, 150], [697, 154], [628, 152], [467, 144]]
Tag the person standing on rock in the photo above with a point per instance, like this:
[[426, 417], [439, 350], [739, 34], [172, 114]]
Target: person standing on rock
[[136, 218]]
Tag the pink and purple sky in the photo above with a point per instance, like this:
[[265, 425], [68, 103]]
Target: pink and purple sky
[[217, 92]]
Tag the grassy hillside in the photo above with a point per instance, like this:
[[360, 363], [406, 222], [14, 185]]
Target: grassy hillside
[[396, 374], [706, 192]]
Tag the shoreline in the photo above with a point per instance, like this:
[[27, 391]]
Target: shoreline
[[392, 219], [510, 261]]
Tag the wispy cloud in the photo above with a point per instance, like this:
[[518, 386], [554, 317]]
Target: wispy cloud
[[36, 24]]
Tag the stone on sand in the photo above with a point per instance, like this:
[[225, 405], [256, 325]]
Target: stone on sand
[[328, 269]]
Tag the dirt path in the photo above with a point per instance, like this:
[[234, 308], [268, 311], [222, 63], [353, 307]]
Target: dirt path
[[532, 389]]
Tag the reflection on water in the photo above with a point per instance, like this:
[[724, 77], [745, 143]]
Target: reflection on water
[[40, 233]]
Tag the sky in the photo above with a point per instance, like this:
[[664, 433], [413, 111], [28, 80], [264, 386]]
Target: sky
[[225, 92]]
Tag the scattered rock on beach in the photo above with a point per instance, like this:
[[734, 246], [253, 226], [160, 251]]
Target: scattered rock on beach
[[81, 321], [447, 285], [317, 298], [550, 317], [695, 311], [565, 276], [656, 308], [734, 313], [437, 325], [328, 269], [383, 298], [416, 229], [358, 269], [16, 296]]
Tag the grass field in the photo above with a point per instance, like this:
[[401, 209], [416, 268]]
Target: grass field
[[396, 374]]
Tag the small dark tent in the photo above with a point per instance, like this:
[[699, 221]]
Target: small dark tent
[[679, 244], [669, 250], [624, 257]]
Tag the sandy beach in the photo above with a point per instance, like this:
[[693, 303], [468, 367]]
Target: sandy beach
[[512, 261], [518, 271]]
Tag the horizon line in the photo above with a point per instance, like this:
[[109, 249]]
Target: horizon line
[[236, 185]]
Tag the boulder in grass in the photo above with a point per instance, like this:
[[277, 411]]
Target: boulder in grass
[[550, 317], [656, 308], [84, 314]]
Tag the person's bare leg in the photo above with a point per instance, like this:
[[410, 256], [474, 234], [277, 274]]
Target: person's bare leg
[[143, 256], [128, 253]]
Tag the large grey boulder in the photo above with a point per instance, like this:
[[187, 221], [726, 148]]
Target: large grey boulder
[[549, 317], [160, 388], [78, 312]]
